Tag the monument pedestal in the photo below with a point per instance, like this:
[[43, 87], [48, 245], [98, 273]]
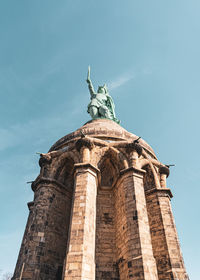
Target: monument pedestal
[[97, 214]]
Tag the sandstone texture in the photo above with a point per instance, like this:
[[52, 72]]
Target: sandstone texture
[[101, 210]]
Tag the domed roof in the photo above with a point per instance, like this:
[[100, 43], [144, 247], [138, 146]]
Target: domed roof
[[103, 129]]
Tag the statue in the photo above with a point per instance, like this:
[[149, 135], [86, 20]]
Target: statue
[[101, 105]]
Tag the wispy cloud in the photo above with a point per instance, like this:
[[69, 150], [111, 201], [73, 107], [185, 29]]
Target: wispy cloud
[[21, 133], [121, 80], [33, 131], [38, 131]]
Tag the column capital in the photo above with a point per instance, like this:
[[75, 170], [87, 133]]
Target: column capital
[[139, 172], [30, 205], [164, 170], [161, 192], [43, 181], [130, 147], [84, 166], [84, 142]]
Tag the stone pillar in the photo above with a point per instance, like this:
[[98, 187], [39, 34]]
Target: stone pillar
[[44, 247], [80, 259], [133, 240], [22, 258], [164, 173], [165, 242]]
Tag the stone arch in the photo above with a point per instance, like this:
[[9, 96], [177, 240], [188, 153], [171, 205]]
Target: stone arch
[[64, 178], [151, 164], [109, 168], [52, 206], [108, 173], [64, 172], [69, 154], [58, 165], [105, 249], [149, 178]]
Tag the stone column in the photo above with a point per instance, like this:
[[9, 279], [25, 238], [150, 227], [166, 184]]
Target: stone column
[[165, 241], [164, 173], [22, 258], [44, 246], [133, 240], [80, 260]]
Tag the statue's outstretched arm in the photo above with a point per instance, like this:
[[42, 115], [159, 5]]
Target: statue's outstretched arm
[[90, 85]]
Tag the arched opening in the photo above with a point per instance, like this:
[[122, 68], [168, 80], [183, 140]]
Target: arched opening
[[149, 180], [108, 173], [62, 212], [105, 249], [64, 173]]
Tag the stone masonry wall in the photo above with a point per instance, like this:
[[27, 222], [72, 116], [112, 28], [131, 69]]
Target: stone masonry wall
[[25, 243], [159, 244], [45, 241], [134, 249], [80, 259], [106, 263], [95, 215]]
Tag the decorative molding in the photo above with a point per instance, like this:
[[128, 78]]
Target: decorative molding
[[86, 165], [30, 205], [164, 170], [134, 147], [44, 159], [160, 192], [84, 142], [132, 169], [43, 180]]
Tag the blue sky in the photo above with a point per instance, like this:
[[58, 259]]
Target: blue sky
[[148, 54]]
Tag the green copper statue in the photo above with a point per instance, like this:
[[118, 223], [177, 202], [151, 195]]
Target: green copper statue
[[101, 105]]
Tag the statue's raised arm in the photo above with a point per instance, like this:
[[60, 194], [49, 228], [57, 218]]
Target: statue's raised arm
[[101, 105], [90, 85]]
